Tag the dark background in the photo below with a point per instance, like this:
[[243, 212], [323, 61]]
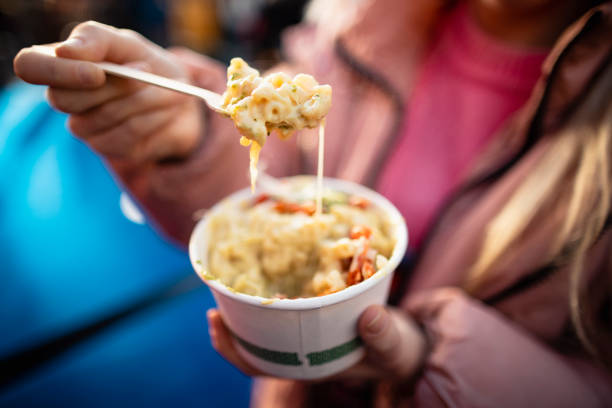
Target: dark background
[[220, 28]]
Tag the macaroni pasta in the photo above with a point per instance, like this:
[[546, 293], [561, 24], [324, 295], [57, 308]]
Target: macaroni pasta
[[259, 105]]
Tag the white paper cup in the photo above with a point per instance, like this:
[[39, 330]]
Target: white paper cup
[[301, 338]]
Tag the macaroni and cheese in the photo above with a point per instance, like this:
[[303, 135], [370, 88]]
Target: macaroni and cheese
[[276, 102], [274, 246]]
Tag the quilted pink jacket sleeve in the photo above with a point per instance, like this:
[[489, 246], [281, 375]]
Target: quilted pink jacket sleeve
[[479, 358]]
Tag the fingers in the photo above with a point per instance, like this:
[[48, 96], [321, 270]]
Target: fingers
[[105, 116], [37, 68], [90, 41], [117, 117], [79, 101], [152, 135], [130, 139], [221, 340], [394, 343]]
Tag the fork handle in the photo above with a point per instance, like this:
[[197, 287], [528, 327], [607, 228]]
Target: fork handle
[[212, 99]]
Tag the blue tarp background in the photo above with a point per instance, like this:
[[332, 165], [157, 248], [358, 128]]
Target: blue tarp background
[[69, 255]]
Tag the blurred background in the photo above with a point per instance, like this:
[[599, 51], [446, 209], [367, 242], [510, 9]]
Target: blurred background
[[96, 309]]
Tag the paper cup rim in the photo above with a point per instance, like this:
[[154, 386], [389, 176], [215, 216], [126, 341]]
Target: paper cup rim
[[395, 219]]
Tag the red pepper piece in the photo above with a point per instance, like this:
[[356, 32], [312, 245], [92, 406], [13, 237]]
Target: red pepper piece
[[367, 269], [285, 207], [354, 276], [358, 231], [261, 198], [360, 202], [308, 208]]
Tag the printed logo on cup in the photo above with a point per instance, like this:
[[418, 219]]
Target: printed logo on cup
[[314, 359]]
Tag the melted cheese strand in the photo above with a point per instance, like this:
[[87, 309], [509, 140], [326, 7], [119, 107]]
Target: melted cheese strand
[[320, 167], [254, 157], [277, 102]]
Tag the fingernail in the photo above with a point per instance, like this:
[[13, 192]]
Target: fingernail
[[375, 319], [73, 42]]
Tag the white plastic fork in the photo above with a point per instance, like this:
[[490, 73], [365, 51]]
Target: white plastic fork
[[212, 99]]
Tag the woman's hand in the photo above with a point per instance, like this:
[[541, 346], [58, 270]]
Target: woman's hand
[[119, 118], [395, 345]]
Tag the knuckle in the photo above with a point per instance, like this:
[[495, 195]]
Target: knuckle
[[90, 28], [55, 100], [182, 143], [98, 145], [89, 23], [64, 102], [132, 126], [75, 126], [185, 144], [53, 73], [131, 34], [86, 27], [186, 138], [79, 125]]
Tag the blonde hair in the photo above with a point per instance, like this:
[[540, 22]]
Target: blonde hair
[[579, 157]]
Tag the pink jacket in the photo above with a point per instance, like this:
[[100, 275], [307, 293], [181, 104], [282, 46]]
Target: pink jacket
[[505, 344]]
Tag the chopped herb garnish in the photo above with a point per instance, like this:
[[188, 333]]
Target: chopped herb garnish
[[235, 75], [208, 276]]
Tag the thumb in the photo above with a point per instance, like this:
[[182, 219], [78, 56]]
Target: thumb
[[393, 341], [93, 41]]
